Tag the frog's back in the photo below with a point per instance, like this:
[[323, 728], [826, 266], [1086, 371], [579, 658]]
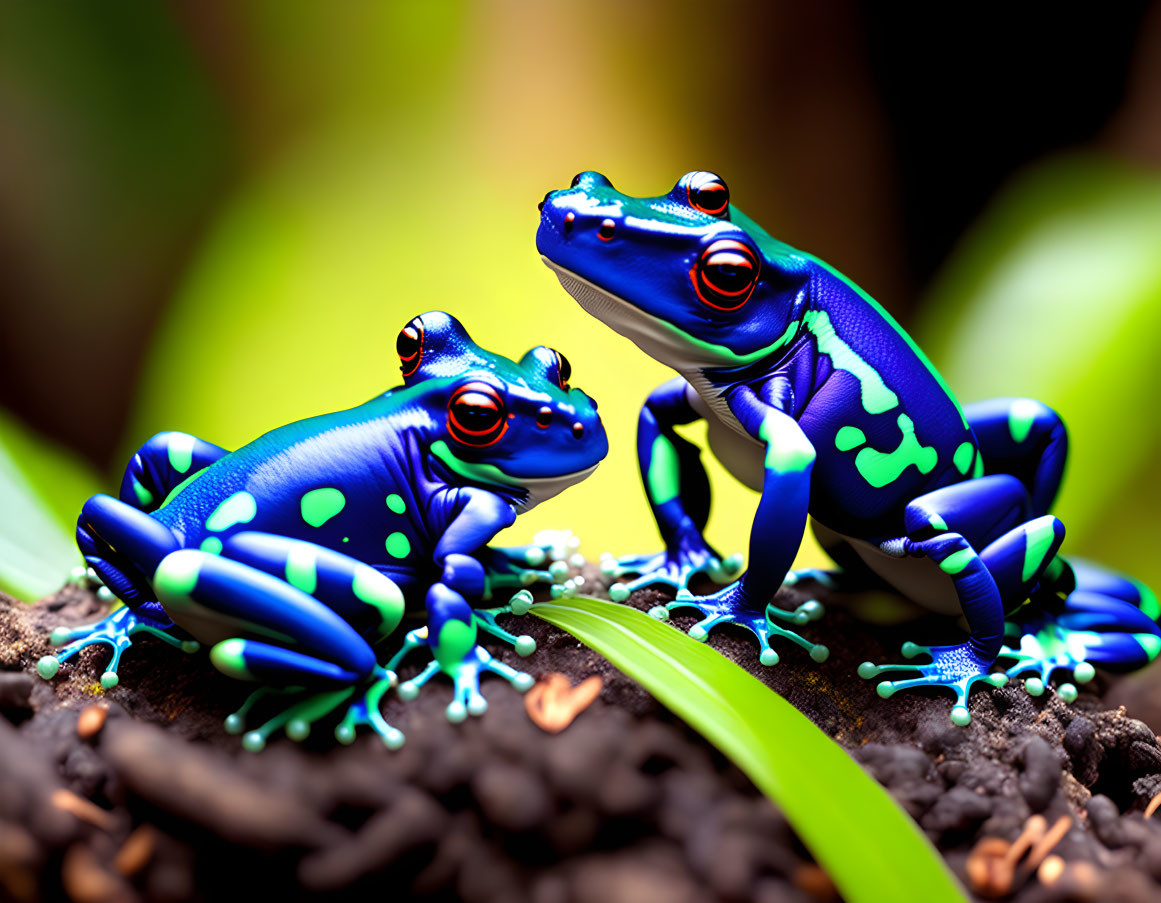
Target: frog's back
[[342, 480], [885, 426]]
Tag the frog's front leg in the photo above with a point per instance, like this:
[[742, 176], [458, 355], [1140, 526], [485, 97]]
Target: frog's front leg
[[291, 614], [124, 544], [679, 495], [451, 633], [947, 526], [774, 539]]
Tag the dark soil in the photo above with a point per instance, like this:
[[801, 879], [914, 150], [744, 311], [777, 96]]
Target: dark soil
[[627, 804]]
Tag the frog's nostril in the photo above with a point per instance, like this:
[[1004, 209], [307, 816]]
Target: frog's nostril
[[569, 219], [544, 417], [578, 430], [605, 232]]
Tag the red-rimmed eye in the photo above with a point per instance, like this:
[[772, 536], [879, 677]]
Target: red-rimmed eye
[[409, 346], [725, 274], [563, 370], [477, 415], [707, 193]]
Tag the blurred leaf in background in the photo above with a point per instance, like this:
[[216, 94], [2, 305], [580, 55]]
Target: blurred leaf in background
[[42, 488], [1055, 294]]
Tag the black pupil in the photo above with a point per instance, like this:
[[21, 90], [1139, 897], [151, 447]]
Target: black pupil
[[576, 180], [407, 343], [564, 368], [712, 197], [728, 277], [476, 414]]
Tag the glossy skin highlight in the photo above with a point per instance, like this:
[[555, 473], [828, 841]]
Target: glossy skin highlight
[[294, 555], [816, 397]]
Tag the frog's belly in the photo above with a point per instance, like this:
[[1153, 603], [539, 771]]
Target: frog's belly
[[919, 579], [741, 455]]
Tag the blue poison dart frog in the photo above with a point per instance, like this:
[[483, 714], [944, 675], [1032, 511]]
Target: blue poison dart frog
[[814, 396], [295, 555]]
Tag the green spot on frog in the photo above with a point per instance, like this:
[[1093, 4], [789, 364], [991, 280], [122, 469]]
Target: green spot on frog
[[875, 395], [300, 568], [177, 575], [144, 496], [456, 639], [320, 505], [229, 658], [396, 504], [398, 545], [239, 508], [957, 561], [180, 451], [1021, 416], [1038, 539], [938, 523], [212, 545], [963, 457], [849, 437], [880, 468], [380, 592], [663, 478], [1150, 643], [1148, 603]]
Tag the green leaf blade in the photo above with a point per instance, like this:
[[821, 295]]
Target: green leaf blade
[[867, 844]]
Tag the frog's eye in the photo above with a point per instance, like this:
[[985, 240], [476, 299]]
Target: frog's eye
[[725, 274], [563, 370], [409, 346], [708, 193], [477, 415]]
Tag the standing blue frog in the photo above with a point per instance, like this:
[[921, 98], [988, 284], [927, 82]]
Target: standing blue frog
[[294, 555], [816, 397]]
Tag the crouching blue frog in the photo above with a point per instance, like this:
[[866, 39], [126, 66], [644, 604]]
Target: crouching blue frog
[[295, 555], [815, 396]]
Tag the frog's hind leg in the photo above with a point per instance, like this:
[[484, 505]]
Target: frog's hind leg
[[947, 526], [162, 465], [1105, 619], [330, 658], [121, 543], [1024, 438]]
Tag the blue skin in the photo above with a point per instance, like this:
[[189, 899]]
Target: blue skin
[[815, 397], [296, 554]]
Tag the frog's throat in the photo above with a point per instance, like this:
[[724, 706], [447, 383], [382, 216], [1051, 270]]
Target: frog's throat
[[527, 492], [661, 340]]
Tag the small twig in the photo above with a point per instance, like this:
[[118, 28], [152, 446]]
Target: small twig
[[1152, 807], [553, 704], [82, 808]]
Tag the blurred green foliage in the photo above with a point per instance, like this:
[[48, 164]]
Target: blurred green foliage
[[41, 489], [1055, 294]]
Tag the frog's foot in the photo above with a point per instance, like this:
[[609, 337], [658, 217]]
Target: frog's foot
[[1042, 647], [727, 607], [115, 630], [465, 673], [673, 568], [548, 559], [519, 604], [957, 668], [308, 707]]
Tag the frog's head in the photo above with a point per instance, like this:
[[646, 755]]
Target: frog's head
[[687, 276], [517, 426]]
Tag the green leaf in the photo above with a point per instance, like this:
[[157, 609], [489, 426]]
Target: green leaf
[[871, 849], [42, 489]]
